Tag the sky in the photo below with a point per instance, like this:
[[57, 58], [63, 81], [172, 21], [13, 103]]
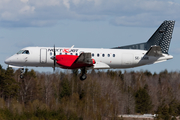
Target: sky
[[86, 24]]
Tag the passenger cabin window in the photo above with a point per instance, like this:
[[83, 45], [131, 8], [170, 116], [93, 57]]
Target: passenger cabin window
[[103, 55], [108, 55], [92, 54], [113, 55], [98, 54], [76, 53], [50, 53]]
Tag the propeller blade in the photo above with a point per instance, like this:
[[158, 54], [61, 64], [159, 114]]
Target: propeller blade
[[54, 51], [54, 58]]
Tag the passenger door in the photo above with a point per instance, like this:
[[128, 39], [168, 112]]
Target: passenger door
[[43, 55]]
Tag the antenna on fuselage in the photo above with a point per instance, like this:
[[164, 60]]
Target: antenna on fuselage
[[72, 47]]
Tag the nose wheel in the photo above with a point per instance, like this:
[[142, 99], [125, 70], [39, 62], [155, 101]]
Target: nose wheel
[[83, 75], [22, 71]]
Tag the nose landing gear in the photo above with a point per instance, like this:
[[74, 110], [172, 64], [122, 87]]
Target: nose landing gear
[[22, 71]]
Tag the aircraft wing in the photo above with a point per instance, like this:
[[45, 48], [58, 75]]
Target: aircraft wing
[[84, 58], [154, 51]]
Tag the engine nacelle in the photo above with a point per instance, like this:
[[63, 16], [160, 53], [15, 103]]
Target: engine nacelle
[[71, 62]]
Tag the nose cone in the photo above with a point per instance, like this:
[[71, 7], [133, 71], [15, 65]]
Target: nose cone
[[7, 61]]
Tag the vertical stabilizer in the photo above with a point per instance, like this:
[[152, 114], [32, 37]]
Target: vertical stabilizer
[[162, 36]]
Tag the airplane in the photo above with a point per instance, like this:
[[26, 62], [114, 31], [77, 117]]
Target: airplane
[[153, 51]]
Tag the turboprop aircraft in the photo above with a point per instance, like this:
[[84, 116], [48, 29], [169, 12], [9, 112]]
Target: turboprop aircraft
[[153, 51]]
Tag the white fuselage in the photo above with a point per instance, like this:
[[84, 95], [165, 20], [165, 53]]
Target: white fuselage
[[104, 58]]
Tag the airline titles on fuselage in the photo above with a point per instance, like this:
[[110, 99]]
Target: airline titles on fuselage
[[65, 50]]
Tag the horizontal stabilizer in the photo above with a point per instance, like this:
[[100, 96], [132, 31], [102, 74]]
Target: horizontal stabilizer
[[154, 51]]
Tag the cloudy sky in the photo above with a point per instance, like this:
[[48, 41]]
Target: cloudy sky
[[86, 23]]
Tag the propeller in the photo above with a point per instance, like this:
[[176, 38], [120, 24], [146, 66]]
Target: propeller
[[54, 58]]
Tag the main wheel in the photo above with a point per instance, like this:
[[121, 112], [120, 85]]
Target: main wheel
[[83, 77]]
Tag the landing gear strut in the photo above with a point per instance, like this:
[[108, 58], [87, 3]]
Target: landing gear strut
[[83, 75], [22, 71]]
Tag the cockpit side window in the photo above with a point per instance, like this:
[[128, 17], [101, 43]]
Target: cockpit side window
[[20, 52], [23, 52]]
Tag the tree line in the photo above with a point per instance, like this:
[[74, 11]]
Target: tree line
[[103, 95]]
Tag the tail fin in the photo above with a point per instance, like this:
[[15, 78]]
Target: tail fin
[[162, 37]]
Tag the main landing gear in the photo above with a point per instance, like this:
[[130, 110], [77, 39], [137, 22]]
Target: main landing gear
[[83, 75], [22, 71]]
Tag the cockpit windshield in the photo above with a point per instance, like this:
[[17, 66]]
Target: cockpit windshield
[[23, 52]]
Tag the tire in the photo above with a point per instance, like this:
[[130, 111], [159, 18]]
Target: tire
[[21, 76], [83, 77]]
